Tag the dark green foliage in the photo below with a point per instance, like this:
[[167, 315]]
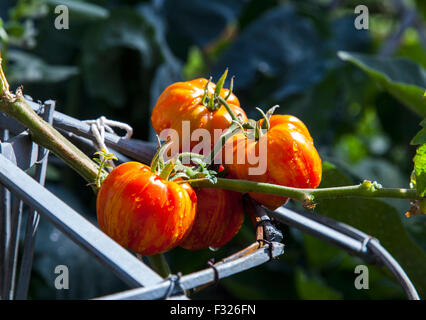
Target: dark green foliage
[[362, 111]]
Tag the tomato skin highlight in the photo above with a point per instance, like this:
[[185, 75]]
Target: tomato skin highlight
[[220, 215], [291, 158], [143, 212], [182, 101]]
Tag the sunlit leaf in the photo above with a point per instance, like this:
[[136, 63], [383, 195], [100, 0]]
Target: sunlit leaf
[[420, 137], [402, 78], [420, 169]]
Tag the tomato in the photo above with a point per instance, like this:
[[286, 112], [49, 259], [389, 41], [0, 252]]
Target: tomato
[[182, 101], [220, 215], [291, 158], [143, 212]]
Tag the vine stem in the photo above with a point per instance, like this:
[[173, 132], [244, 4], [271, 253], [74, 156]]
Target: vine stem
[[159, 264], [233, 129], [366, 189], [228, 108]]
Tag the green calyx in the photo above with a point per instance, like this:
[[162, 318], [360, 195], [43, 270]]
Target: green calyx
[[179, 167], [102, 161], [214, 101], [261, 129]]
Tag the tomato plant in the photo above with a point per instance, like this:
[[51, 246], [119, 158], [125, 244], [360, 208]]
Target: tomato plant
[[285, 54]]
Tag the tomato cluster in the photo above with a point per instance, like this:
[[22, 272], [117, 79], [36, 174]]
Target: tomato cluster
[[145, 212]]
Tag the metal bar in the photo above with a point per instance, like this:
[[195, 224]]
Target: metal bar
[[4, 237], [33, 217], [20, 150], [7, 122], [4, 230], [139, 150], [394, 268], [193, 280], [86, 145], [12, 254], [27, 255], [317, 229], [81, 231]]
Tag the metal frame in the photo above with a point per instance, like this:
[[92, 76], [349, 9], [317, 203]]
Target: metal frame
[[19, 153]]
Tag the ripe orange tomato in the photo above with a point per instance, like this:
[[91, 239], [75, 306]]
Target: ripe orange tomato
[[182, 101], [220, 215], [143, 212], [291, 158]]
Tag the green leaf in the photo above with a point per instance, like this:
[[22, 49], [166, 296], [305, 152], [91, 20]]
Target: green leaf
[[3, 33], [320, 254], [402, 78], [378, 219], [105, 45], [195, 65], [420, 169], [28, 8], [420, 137], [276, 73], [26, 67], [15, 29], [313, 288], [81, 9], [97, 160]]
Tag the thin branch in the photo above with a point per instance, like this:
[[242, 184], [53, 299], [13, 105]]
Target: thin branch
[[228, 108], [366, 189], [44, 134], [232, 130]]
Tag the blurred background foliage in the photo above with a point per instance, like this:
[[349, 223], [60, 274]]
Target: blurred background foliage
[[361, 106]]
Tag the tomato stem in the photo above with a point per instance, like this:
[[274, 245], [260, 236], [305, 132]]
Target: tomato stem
[[220, 83], [167, 170], [189, 155], [4, 86], [366, 189], [233, 129], [215, 101], [228, 108], [45, 135], [231, 88], [159, 264], [265, 125], [206, 93]]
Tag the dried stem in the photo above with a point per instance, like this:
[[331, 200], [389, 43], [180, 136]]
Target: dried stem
[[44, 134]]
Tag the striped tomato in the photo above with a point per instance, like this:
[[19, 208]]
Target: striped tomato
[[220, 215], [290, 158], [183, 101], [143, 212]]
